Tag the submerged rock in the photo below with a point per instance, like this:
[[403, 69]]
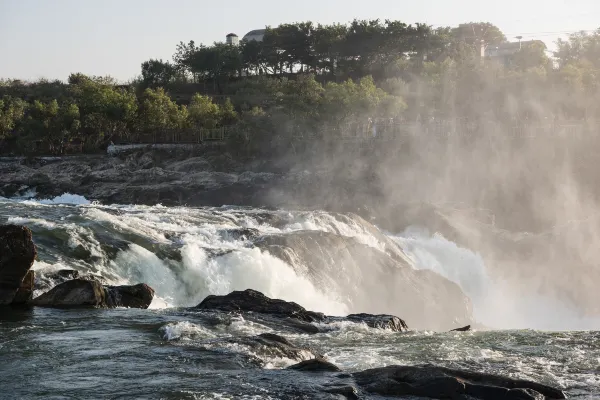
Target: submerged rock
[[90, 293], [252, 301], [75, 293], [262, 349], [136, 296], [315, 365], [17, 253], [444, 383]]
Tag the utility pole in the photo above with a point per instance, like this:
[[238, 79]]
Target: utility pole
[[519, 37]]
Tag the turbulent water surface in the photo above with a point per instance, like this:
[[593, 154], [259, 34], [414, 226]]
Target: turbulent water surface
[[172, 351]]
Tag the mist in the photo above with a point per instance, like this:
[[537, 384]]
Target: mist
[[516, 185]]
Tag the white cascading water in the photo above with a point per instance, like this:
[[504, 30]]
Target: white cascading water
[[495, 303], [240, 266]]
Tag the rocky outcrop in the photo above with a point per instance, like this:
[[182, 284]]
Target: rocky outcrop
[[253, 301], [290, 315], [390, 322], [17, 253], [315, 365], [75, 293], [444, 383], [136, 296], [89, 293]]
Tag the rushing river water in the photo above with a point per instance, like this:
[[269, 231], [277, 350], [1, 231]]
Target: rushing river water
[[174, 352]]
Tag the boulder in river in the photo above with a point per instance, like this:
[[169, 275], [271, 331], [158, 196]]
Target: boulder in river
[[252, 301], [444, 383], [72, 294], [315, 365], [463, 329], [90, 293], [17, 253], [135, 296]]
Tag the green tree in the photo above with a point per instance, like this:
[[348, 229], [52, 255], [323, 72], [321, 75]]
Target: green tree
[[158, 73], [159, 114], [12, 111], [105, 110], [202, 112]]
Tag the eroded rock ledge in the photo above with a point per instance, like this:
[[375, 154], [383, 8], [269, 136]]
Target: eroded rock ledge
[[292, 314]]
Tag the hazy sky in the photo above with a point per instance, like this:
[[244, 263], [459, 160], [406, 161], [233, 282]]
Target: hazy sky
[[52, 38]]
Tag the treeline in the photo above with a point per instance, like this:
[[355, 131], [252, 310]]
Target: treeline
[[90, 112], [310, 80]]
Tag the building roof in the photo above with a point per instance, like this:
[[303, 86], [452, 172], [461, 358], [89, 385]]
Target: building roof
[[510, 47], [256, 34], [232, 35]]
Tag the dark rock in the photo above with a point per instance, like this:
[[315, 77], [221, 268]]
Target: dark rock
[[379, 321], [25, 292], [136, 296], [347, 391], [90, 293], [251, 300], [301, 326], [74, 294], [315, 365], [265, 346], [463, 329], [17, 253], [437, 382]]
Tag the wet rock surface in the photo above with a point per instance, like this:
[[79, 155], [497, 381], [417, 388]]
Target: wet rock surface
[[76, 293], [17, 253], [25, 293], [253, 301], [444, 383], [291, 315], [130, 296], [90, 293], [315, 365]]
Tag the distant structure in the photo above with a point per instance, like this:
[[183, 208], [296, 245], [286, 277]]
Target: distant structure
[[257, 34], [503, 51], [232, 39]]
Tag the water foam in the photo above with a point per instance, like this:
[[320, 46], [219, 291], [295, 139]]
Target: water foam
[[66, 198]]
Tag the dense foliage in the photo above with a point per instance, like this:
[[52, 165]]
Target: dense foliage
[[308, 80]]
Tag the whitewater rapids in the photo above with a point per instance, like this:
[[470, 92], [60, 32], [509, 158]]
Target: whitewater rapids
[[186, 254]]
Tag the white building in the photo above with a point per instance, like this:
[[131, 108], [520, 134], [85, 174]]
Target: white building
[[257, 34]]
